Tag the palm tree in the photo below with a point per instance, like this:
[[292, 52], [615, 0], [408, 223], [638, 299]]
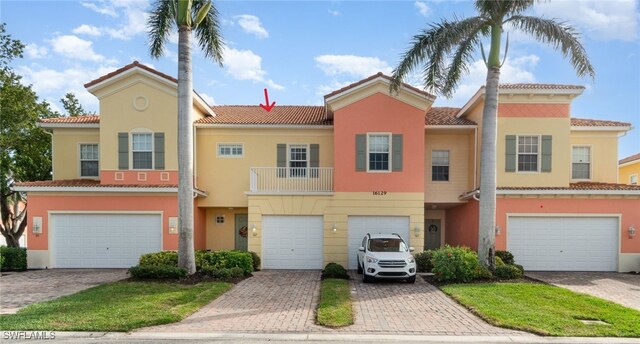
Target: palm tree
[[187, 16], [445, 50]]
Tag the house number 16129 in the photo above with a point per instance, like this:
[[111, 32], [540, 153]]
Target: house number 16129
[[379, 193]]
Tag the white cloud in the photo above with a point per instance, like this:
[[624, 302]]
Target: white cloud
[[73, 47], [334, 13], [332, 86], [207, 98], [246, 65], [251, 25], [100, 7], [133, 14], [358, 66], [422, 7], [89, 30], [602, 20], [34, 51]]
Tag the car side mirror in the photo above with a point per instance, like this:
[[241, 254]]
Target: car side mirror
[[411, 249], [361, 249]]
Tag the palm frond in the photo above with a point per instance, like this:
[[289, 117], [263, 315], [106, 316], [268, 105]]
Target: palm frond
[[208, 33], [459, 65], [160, 23], [561, 36]]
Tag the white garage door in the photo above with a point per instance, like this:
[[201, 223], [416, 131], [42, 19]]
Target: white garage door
[[103, 240], [292, 242], [359, 226], [564, 243]]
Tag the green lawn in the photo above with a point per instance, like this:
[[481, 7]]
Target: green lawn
[[119, 306], [545, 309], [334, 309]]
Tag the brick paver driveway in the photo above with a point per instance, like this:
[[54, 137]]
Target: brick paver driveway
[[285, 302], [617, 287], [18, 289]]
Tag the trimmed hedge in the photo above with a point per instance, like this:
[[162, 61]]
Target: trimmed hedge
[[423, 261], [498, 261], [256, 261], [162, 258], [13, 258], [334, 270], [483, 273], [157, 272], [224, 273], [455, 264], [214, 260], [507, 271], [506, 256]]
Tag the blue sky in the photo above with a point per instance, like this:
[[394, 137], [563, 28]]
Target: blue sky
[[302, 50]]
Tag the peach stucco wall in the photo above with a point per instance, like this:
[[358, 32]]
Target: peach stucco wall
[[379, 113], [40, 205], [146, 177], [462, 225], [533, 110]]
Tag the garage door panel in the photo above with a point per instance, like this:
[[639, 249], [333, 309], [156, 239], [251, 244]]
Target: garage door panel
[[359, 226], [564, 243], [292, 242]]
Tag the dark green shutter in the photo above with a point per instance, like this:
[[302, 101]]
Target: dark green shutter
[[314, 159], [396, 148], [123, 151], [361, 152], [546, 153], [282, 159], [158, 150], [510, 148]]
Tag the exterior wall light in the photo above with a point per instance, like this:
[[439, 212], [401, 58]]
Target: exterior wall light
[[173, 225], [334, 228], [36, 228], [632, 231], [416, 231], [498, 230], [253, 229]]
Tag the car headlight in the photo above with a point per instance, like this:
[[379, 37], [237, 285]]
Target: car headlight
[[411, 260], [371, 259]]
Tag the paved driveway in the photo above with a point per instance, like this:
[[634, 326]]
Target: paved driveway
[[285, 301], [18, 289], [617, 287]]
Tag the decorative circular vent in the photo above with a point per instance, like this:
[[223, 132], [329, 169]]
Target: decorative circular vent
[[140, 103]]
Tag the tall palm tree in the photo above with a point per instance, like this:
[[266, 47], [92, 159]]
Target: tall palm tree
[[201, 17], [445, 50]]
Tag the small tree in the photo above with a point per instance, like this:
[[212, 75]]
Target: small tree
[[71, 103]]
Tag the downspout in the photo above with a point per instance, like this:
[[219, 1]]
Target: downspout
[[475, 158], [50, 134], [618, 143]]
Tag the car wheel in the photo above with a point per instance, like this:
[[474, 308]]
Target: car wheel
[[359, 266], [411, 279]]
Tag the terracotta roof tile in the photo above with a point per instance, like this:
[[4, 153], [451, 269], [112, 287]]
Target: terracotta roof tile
[[584, 122], [580, 186], [357, 83], [74, 120], [127, 67], [445, 116], [280, 114], [629, 159], [89, 183], [540, 86]]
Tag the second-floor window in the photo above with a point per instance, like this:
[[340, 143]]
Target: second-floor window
[[142, 150], [581, 162], [440, 165], [229, 150], [528, 152], [633, 179], [298, 160], [379, 152], [89, 160]]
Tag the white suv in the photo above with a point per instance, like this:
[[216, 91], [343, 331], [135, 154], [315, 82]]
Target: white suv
[[386, 256]]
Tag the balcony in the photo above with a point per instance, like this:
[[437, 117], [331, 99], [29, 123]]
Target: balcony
[[291, 180]]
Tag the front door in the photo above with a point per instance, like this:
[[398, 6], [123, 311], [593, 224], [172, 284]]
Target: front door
[[432, 233], [242, 232]]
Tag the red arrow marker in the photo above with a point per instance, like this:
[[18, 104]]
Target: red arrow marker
[[266, 98]]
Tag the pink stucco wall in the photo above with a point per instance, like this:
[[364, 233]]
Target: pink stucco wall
[[533, 110], [147, 177], [40, 205], [379, 113], [462, 225]]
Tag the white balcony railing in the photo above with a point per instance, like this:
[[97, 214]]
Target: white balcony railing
[[291, 179]]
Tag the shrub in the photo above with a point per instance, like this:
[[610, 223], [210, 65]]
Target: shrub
[[334, 270], [157, 272], [423, 261], [520, 267], [256, 261], [498, 261], [483, 273], [162, 258], [13, 258], [506, 257], [228, 259], [456, 264], [1, 261], [507, 271], [224, 273]]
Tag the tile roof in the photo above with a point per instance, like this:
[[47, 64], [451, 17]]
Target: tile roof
[[540, 87], [357, 83], [629, 159], [280, 114], [584, 122], [578, 186], [89, 183], [127, 67], [445, 116], [74, 120]]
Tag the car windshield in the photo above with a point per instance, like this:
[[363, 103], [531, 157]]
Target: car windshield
[[387, 245]]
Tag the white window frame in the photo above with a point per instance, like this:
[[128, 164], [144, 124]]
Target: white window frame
[[390, 151], [138, 132], [631, 179], [308, 161], [538, 154], [448, 165], [590, 161], [232, 146], [80, 144]]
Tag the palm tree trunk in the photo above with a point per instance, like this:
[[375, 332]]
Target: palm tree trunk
[[186, 255]]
